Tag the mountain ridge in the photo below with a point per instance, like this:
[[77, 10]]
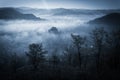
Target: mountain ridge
[[112, 18], [109, 21], [12, 14]]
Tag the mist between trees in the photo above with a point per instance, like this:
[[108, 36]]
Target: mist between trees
[[95, 57]]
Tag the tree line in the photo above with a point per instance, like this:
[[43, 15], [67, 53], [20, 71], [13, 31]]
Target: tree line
[[94, 57]]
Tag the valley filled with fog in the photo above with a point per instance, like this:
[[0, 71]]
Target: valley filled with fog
[[16, 35], [59, 44], [59, 39]]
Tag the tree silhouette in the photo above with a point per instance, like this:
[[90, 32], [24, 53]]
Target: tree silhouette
[[68, 55], [98, 36], [78, 41], [36, 54], [14, 62], [55, 60], [114, 42]]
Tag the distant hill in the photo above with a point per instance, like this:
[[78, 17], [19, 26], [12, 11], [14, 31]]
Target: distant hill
[[111, 20], [63, 11], [11, 13], [53, 30]]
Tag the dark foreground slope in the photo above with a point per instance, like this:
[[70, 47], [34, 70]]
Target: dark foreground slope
[[11, 13]]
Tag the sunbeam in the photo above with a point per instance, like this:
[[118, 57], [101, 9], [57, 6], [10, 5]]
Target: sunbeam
[[45, 4]]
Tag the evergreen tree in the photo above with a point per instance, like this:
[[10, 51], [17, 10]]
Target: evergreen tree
[[36, 54]]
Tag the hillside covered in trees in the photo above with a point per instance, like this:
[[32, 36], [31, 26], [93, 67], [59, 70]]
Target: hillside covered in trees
[[13, 14], [79, 61], [70, 44]]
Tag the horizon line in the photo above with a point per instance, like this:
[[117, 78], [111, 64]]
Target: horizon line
[[60, 8]]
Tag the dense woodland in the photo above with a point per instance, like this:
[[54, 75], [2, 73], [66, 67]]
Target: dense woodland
[[96, 57]]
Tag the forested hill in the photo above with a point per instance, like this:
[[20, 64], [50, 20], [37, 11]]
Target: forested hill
[[11, 13], [111, 19]]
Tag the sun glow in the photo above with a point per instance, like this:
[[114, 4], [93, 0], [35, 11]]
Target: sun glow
[[45, 4]]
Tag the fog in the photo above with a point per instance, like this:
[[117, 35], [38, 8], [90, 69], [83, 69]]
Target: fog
[[18, 34]]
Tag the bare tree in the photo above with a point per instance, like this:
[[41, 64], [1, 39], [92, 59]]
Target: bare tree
[[36, 54], [116, 39], [78, 41], [114, 43], [14, 62], [68, 55], [55, 59], [98, 36]]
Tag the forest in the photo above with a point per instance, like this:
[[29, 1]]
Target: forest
[[93, 57]]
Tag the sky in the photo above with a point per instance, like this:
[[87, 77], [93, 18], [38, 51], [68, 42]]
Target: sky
[[48, 4]]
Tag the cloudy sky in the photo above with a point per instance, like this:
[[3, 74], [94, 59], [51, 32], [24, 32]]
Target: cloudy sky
[[83, 4]]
